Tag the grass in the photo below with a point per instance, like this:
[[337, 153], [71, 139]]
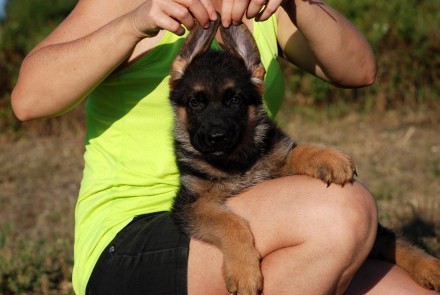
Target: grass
[[397, 156], [39, 181]]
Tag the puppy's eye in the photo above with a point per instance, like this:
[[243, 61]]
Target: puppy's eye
[[235, 100], [194, 103]]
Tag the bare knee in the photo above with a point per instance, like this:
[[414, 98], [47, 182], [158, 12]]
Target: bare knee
[[345, 225], [288, 211], [337, 236]]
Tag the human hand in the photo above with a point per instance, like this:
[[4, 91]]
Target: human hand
[[234, 10], [155, 15]]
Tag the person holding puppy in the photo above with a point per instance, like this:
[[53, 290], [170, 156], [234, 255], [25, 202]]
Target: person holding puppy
[[312, 239]]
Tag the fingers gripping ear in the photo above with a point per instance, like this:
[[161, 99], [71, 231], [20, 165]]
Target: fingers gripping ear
[[239, 41], [197, 42]]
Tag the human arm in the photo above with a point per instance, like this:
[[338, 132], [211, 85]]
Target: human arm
[[96, 38], [313, 36], [318, 39]]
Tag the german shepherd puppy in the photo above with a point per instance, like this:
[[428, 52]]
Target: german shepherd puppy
[[226, 143]]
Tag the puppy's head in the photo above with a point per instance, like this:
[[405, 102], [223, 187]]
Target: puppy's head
[[217, 95]]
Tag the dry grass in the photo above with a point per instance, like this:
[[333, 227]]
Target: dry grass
[[39, 182], [398, 158]]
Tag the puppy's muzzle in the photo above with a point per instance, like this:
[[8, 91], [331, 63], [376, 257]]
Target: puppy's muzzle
[[216, 137]]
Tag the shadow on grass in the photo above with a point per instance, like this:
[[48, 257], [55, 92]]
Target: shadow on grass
[[419, 231]]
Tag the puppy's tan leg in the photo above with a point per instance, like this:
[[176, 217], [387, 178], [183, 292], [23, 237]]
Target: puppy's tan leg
[[329, 165], [423, 268], [216, 224]]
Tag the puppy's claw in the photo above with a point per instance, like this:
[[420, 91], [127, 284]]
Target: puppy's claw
[[243, 277], [329, 165]]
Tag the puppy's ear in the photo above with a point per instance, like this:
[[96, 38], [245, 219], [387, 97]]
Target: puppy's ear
[[239, 41], [198, 41]]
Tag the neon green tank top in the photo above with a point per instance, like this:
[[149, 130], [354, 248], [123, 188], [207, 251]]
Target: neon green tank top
[[129, 160]]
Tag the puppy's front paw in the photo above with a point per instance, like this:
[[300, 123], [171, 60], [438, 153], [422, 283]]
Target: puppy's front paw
[[334, 166], [329, 165], [243, 275]]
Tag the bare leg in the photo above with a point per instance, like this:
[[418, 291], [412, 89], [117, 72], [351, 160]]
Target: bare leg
[[312, 240], [379, 277]]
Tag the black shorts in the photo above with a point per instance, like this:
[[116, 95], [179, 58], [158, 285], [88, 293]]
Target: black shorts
[[149, 256]]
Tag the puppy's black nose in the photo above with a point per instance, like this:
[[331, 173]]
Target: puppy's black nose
[[217, 136]]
